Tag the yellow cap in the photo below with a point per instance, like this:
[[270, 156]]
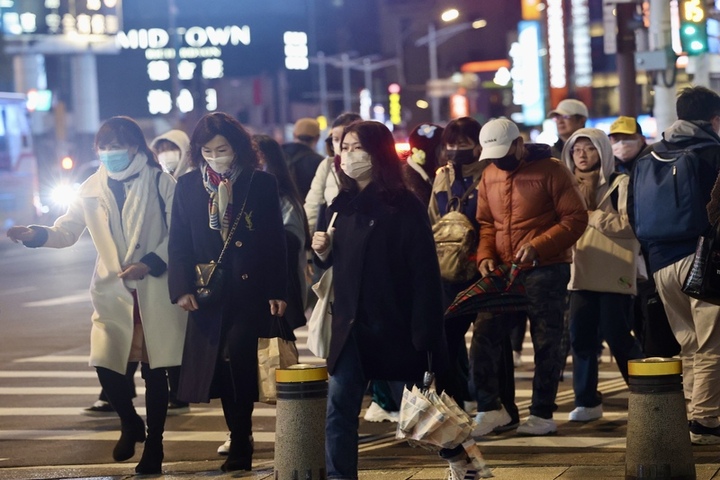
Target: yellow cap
[[648, 367], [302, 372], [626, 125]]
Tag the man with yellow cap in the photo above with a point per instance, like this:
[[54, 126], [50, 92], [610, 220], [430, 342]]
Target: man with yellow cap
[[627, 142]]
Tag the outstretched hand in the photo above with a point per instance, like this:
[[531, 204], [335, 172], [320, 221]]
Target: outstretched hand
[[21, 234]]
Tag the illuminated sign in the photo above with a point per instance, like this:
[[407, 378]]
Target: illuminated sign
[[527, 73], [556, 43], [582, 55], [60, 17], [395, 108], [296, 50], [200, 53]]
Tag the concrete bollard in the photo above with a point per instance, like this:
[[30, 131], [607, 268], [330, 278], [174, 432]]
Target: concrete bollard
[[658, 437], [300, 422]]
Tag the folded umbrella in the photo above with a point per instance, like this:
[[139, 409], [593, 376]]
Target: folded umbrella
[[433, 422], [499, 291]]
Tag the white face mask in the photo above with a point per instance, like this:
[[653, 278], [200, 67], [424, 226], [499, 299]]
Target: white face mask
[[169, 160], [220, 164], [626, 150], [356, 164]]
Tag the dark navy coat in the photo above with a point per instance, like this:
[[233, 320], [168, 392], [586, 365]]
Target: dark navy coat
[[387, 285], [255, 272]]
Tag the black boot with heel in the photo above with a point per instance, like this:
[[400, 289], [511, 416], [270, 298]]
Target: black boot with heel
[[156, 401], [132, 428]]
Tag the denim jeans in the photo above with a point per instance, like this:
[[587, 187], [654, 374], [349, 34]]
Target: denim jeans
[[546, 288], [596, 315]]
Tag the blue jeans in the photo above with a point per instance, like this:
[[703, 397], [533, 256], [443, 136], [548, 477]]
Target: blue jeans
[[346, 388], [595, 315], [546, 288]]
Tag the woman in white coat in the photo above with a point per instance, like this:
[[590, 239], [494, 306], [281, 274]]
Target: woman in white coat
[[126, 206]]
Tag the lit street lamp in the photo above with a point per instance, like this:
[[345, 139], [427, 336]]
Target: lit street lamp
[[436, 37]]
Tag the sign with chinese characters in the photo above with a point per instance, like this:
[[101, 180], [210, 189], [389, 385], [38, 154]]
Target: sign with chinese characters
[[60, 17], [197, 52]]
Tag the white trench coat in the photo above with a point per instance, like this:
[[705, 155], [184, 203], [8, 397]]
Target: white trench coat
[[112, 330]]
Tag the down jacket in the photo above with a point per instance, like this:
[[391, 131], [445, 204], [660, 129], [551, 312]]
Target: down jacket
[[538, 202]]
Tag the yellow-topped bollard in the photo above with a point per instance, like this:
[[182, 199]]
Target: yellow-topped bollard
[[300, 422], [658, 438]]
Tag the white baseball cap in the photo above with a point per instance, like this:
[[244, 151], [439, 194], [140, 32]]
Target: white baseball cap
[[570, 107], [496, 137]]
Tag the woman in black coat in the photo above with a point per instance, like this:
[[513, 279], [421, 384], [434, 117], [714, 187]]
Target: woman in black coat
[[220, 355], [387, 313]]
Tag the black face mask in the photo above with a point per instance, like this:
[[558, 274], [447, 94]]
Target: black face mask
[[507, 163], [461, 157]]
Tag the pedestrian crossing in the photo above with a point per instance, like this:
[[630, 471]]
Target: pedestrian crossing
[[30, 387]]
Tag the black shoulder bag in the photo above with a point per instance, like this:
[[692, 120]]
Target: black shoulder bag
[[209, 277]]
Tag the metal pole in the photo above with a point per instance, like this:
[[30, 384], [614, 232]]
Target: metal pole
[[627, 87], [324, 109], [432, 54], [367, 69], [659, 39], [347, 101], [174, 80]]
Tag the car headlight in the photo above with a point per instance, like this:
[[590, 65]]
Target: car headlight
[[63, 195]]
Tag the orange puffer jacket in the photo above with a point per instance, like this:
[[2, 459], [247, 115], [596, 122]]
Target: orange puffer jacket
[[539, 202]]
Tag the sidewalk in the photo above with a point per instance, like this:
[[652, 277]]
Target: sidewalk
[[264, 471]]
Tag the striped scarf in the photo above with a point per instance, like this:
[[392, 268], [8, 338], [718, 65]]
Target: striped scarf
[[220, 188]]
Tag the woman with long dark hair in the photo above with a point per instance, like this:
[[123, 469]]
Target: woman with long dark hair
[[125, 207], [297, 233], [387, 313], [220, 356]]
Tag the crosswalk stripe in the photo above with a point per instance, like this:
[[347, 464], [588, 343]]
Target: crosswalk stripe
[[85, 435], [46, 374]]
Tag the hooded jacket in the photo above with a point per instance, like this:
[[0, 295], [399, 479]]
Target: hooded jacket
[[680, 135], [606, 219], [179, 138], [539, 202]]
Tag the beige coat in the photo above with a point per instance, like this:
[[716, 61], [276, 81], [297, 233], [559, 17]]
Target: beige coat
[[163, 323]]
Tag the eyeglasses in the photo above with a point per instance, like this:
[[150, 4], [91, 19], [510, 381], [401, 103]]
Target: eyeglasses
[[586, 150]]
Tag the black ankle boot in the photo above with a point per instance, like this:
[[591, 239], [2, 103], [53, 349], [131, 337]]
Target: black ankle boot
[[240, 454], [151, 461], [131, 433]]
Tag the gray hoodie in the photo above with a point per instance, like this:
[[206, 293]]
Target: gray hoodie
[[607, 161]]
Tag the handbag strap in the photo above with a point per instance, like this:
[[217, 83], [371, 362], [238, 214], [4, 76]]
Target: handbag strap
[[236, 222], [459, 200], [613, 187]]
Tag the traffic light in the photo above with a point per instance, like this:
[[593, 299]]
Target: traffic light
[[693, 27]]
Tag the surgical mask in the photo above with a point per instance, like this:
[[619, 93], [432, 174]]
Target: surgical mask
[[169, 160], [461, 157], [114, 160], [507, 163], [355, 164], [220, 164], [626, 150]]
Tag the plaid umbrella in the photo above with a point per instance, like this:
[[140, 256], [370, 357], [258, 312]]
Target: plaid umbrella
[[499, 291]]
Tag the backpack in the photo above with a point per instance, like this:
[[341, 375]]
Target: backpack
[[455, 239], [669, 205]]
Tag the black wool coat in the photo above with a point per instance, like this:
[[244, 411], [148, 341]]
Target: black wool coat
[[255, 270], [387, 285]]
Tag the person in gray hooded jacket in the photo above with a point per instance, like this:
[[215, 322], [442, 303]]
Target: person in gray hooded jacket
[[603, 274]]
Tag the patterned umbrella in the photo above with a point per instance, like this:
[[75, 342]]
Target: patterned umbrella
[[500, 291]]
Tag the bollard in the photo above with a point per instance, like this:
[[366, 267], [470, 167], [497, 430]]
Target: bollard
[[658, 437], [300, 422]]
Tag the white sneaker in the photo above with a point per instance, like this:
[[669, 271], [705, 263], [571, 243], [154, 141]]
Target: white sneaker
[[462, 470], [224, 449], [375, 413], [586, 414], [489, 421], [537, 426], [517, 359]]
